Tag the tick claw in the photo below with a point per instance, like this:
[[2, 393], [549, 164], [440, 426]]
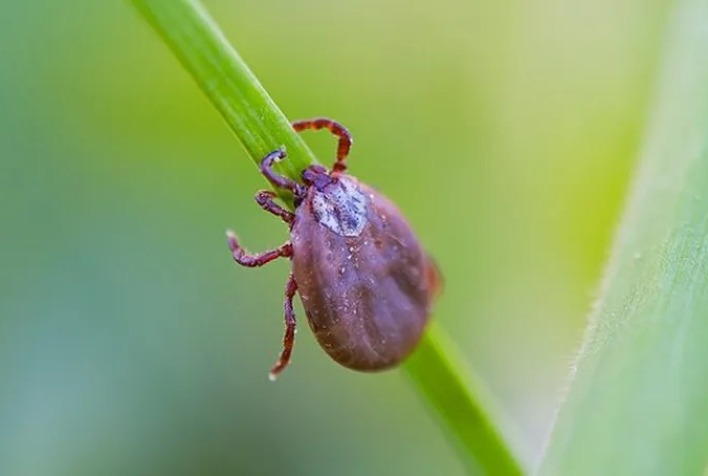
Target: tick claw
[[232, 240]]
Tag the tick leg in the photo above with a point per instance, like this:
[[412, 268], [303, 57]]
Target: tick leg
[[289, 338], [264, 198], [345, 138], [276, 179], [252, 261]]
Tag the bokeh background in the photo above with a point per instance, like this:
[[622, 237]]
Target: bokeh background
[[129, 341]]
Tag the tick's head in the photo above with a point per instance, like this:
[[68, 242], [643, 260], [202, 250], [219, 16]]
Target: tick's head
[[317, 176]]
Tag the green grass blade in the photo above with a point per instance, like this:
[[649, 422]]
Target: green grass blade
[[229, 84], [260, 125], [462, 404], [638, 403]]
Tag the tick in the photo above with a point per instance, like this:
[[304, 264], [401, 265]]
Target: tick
[[365, 282]]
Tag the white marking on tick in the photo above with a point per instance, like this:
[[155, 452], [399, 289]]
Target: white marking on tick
[[341, 207]]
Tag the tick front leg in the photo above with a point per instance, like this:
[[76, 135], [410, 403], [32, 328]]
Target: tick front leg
[[289, 338], [252, 261], [345, 138], [276, 179], [264, 198]]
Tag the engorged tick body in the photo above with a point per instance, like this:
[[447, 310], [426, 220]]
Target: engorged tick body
[[365, 282]]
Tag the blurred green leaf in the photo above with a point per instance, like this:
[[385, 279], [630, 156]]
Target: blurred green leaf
[[261, 127], [638, 403]]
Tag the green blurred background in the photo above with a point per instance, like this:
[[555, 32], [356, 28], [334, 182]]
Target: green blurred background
[[129, 341]]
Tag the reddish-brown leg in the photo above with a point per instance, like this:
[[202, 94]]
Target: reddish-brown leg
[[289, 338], [345, 138], [276, 179], [252, 261], [264, 198]]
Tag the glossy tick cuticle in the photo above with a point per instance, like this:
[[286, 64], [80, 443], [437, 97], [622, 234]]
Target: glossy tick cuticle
[[366, 284]]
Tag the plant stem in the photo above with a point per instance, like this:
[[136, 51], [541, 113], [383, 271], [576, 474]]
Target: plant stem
[[227, 81], [462, 404], [261, 126]]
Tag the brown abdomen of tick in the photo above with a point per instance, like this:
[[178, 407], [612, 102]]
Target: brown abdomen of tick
[[366, 284]]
